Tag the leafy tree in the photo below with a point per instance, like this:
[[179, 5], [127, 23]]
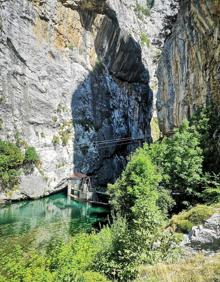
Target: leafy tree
[[183, 161], [139, 180], [207, 123], [180, 160], [134, 197]]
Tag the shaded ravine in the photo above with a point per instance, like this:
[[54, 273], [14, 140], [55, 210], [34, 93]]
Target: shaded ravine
[[113, 102]]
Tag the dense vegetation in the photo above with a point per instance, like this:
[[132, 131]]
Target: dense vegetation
[[167, 176], [12, 159]]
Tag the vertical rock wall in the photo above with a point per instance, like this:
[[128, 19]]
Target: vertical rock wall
[[74, 73], [189, 69], [64, 86]]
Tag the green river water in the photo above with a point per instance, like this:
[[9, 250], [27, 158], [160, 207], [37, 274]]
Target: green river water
[[32, 224]]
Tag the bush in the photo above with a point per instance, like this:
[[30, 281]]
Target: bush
[[90, 276], [165, 201], [118, 260], [70, 261], [31, 155], [11, 159]]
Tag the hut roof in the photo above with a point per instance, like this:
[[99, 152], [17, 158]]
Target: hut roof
[[78, 175]]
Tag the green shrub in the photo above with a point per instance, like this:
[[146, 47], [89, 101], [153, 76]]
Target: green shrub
[[11, 159], [63, 261], [61, 108], [139, 180], [31, 155], [90, 276], [65, 132], [165, 201], [212, 194], [155, 131], [184, 226], [54, 119], [211, 183]]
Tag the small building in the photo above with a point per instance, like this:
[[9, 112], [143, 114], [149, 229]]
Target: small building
[[79, 187]]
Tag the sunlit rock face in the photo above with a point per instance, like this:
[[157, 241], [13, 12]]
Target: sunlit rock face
[[73, 73], [189, 72]]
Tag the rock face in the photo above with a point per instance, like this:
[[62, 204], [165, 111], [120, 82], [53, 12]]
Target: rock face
[[72, 73], [189, 72], [205, 237]]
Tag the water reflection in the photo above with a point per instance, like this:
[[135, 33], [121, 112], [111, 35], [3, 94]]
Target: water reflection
[[39, 221]]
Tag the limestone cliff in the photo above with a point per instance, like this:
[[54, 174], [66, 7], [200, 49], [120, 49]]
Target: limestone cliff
[[72, 73], [189, 72]]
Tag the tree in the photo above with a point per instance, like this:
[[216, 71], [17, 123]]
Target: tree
[[139, 180], [180, 159], [134, 198]]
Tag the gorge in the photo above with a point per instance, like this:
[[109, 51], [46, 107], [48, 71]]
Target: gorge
[[73, 73], [126, 92]]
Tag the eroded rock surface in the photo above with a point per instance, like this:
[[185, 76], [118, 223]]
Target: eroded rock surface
[[72, 73], [205, 237], [189, 72]]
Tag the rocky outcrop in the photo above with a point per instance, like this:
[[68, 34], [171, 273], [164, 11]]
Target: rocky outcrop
[[188, 72], [72, 74], [205, 237]]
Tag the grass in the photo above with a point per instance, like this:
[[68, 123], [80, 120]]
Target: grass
[[198, 268], [184, 221]]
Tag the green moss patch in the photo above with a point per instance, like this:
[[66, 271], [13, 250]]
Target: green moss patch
[[184, 221]]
